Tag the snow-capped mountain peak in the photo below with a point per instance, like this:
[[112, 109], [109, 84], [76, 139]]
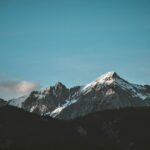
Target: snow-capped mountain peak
[[105, 79], [108, 76], [109, 91], [113, 79]]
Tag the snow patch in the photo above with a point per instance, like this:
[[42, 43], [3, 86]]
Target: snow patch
[[105, 79], [33, 108], [57, 111], [110, 92], [43, 108], [17, 102]]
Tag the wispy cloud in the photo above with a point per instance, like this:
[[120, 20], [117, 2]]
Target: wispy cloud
[[9, 89]]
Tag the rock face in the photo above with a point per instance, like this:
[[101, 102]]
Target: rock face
[[18, 101], [49, 99], [109, 91], [2, 102]]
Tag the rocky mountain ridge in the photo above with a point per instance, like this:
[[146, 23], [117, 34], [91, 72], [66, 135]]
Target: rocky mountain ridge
[[109, 91], [2, 102]]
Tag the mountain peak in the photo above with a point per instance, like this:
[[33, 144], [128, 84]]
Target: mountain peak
[[107, 79], [109, 75], [59, 85]]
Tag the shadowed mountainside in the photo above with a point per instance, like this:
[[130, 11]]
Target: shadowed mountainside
[[124, 129]]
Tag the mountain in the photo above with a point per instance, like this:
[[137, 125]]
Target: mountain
[[46, 101], [109, 91], [17, 102], [2, 102], [124, 129]]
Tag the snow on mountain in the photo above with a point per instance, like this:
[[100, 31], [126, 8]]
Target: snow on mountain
[[2, 102], [108, 91], [17, 102], [103, 80], [112, 78], [58, 110], [50, 100]]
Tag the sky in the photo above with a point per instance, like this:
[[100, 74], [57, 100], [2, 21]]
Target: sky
[[72, 41]]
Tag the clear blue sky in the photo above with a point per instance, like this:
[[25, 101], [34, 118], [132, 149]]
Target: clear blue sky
[[74, 41]]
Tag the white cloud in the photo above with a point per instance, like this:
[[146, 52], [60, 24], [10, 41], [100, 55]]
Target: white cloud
[[25, 86], [10, 89]]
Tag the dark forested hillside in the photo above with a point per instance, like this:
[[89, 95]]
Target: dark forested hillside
[[125, 129]]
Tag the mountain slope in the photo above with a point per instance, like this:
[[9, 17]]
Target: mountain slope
[[125, 129], [109, 91], [17, 102], [46, 101], [2, 102]]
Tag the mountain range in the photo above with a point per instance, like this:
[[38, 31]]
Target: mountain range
[[108, 113], [107, 92]]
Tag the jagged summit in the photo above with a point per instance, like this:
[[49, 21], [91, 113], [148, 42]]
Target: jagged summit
[[112, 79], [59, 85], [109, 75], [56, 87], [105, 79]]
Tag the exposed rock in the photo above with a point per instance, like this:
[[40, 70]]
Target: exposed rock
[[108, 91], [2, 102]]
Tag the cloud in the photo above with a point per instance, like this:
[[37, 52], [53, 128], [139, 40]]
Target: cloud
[[9, 89]]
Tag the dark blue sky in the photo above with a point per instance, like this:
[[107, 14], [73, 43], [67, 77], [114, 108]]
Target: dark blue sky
[[45, 41]]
